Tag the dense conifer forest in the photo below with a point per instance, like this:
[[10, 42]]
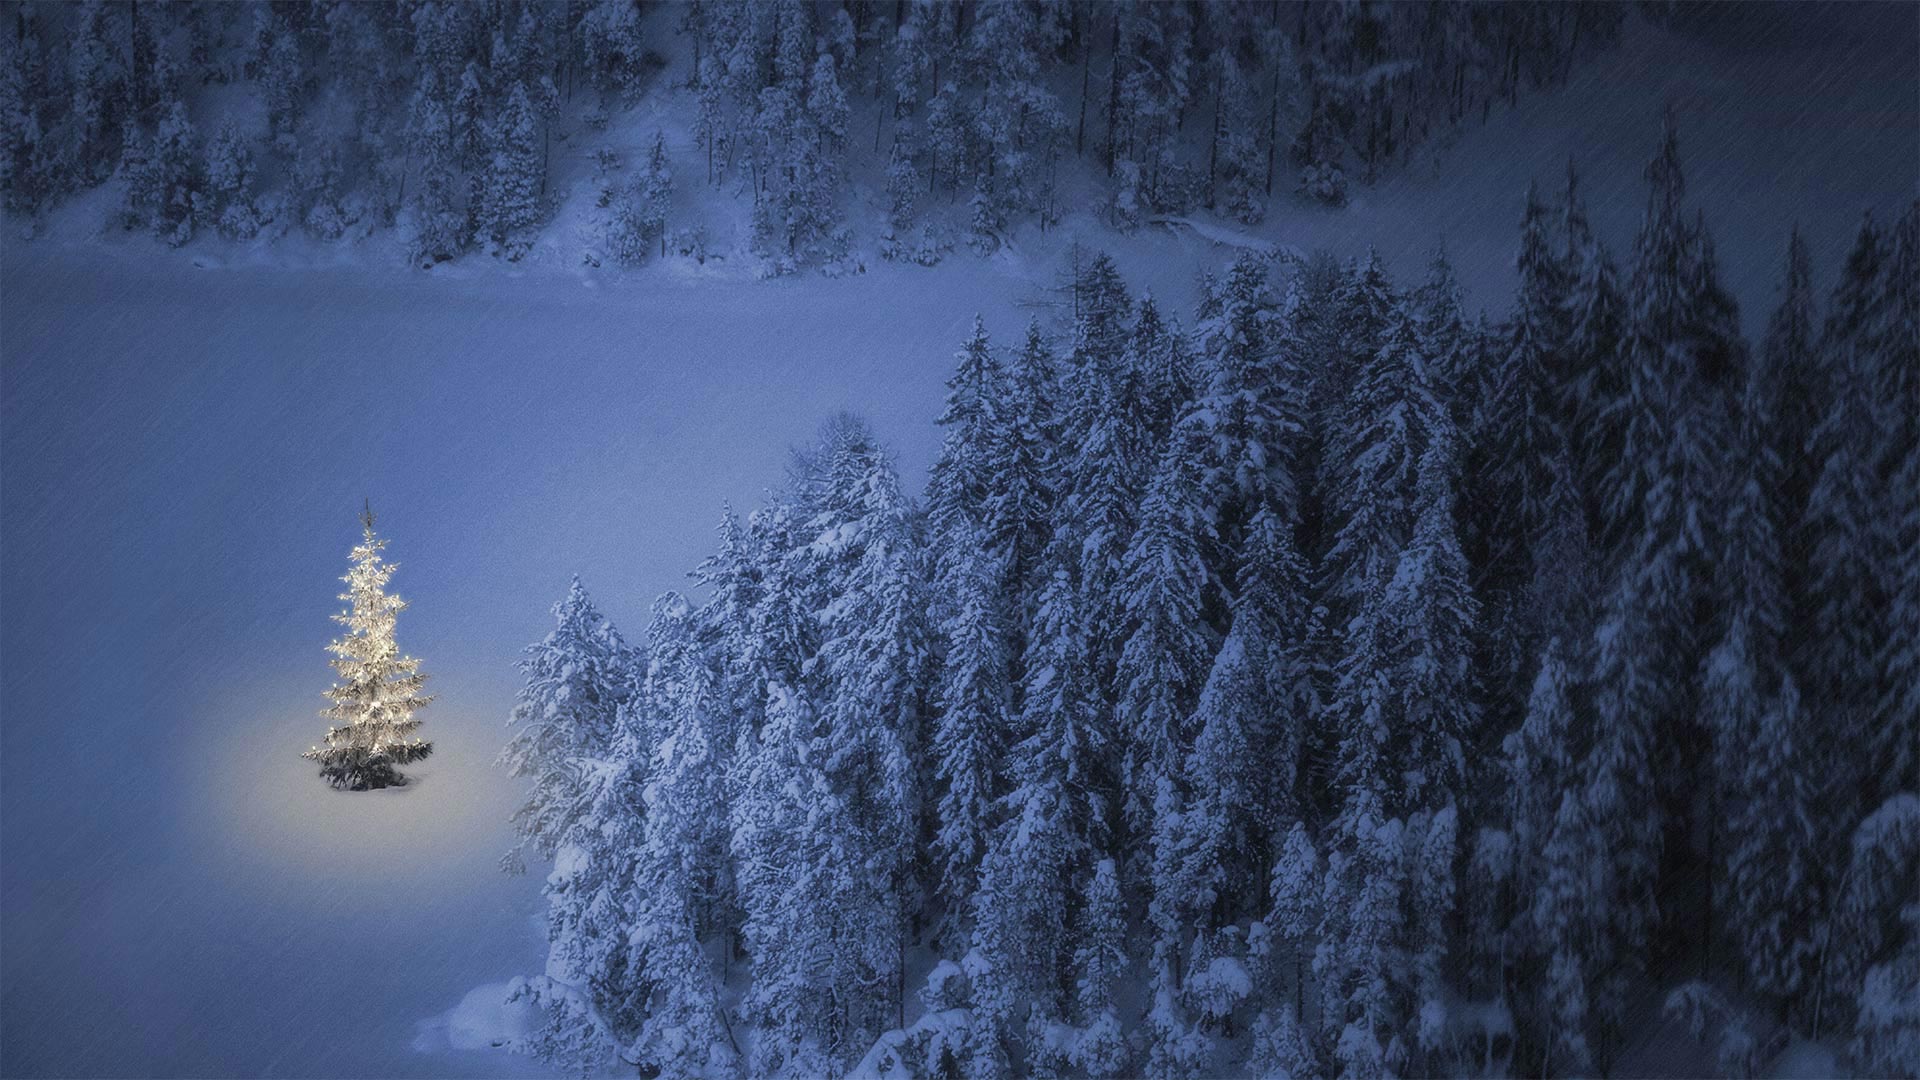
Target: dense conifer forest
[[1320, 681]]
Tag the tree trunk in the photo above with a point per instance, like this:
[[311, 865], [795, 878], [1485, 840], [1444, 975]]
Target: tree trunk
[[134, 64], [1273, 127], [1086, 72], [1706, 936], [1113, 95], [1213, 148], [406, 166]]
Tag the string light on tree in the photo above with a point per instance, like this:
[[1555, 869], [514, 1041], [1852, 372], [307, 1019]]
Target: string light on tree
[[378, 692]]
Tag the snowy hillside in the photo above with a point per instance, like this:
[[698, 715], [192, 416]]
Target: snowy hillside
[[1782, 140]]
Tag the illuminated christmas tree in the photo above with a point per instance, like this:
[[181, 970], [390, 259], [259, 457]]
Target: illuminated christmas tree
[[379, 690]]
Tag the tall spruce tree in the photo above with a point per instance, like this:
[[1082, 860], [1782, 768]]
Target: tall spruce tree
[[1611, 824], [963, 477], [1840, 534], [1250, 727], [1771, 871], [1362, 899], [869, 680], [1365, 310], [795, 871], [1758, 819], [577, 679], [1594, 402], [1445, 337], [679, 874], [515, 177], [1167, 584], [594, 992], [1897, 336], [1430, 614], [1795, 388], [1539, 758], [582, 743], [1521, 426], [1520, 440], [1099, 962], [1251, 409], [1019, 506], [974, 724], [1374, 452]]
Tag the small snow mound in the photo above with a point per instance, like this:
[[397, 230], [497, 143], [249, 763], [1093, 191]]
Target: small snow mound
[[1224, 975], [1221, 987], [1224, 236], [946, 987], [933, 1043], [483, 1019]]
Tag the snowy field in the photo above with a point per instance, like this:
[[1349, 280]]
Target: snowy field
[[187, 435], [185, 451]]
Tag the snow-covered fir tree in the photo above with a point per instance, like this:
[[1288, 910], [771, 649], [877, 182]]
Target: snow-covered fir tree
[[1099, 962], [639, 222], [1760, 821], [680, 876], [1250, 723], [1839, 537], [1520, 440], [975, 702], [791, 875], [515, 179], [1018, 508], [230, 175], [1539, 761], [1521, 430], [961, 482], [1430, 612], [1374, 453], [1162, 665], [1362, 898], [577, 679], [439, 223]]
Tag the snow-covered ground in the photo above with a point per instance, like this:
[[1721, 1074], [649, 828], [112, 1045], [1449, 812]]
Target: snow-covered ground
[[186, 437], [185, 450]]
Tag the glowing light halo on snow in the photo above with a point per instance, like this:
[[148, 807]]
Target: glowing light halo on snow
[[269, 817]]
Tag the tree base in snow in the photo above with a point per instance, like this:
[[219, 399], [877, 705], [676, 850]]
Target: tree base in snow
[[357, 769]]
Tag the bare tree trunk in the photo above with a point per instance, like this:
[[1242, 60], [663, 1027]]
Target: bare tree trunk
[[1113, 95], [1086, 72], [1213, 148], [1273, 126], [406, 166], [1706, 937]]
